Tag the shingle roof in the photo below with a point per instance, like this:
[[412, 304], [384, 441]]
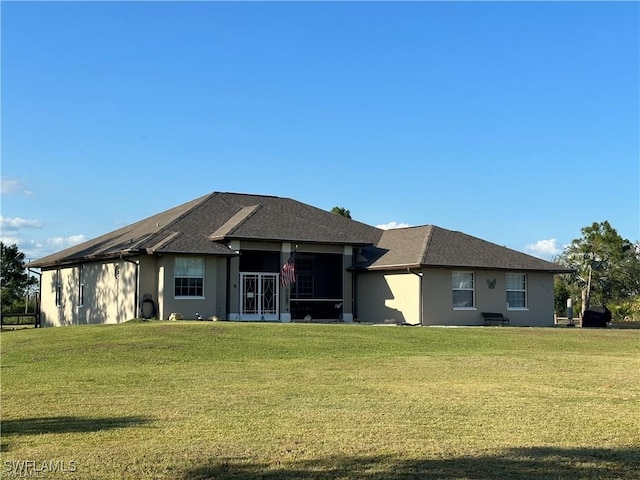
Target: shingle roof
[[199, 226], [432, 246]]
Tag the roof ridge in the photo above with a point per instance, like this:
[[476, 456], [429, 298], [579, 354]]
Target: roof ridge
[[163, 242], [249, 194], [234, 222], [161, 229], [427, 242]]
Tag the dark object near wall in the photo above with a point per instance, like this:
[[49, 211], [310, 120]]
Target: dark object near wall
[[596, 317], [148, 308]]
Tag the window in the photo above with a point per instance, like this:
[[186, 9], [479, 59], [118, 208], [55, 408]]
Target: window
[[462, 285], [58, 284], [516, 290], [81, 286], [304, 285], [304, 278], [189, 277]]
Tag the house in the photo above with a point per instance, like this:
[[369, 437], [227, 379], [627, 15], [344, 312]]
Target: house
[[221, 255], [429, 275]]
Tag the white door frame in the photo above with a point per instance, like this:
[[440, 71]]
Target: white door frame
[[259, 296]]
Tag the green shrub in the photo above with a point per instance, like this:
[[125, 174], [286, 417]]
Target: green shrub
[[626, 310]]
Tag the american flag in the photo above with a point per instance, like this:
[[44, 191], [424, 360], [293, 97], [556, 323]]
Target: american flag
[[288, 271]]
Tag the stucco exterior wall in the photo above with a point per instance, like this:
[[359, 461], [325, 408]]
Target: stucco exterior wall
[[222, 297], [233, 308], [107, 297], [490, 296], [347, 284], [208, 306], [388, 297], [148, 282], [540, 302], [52, 315]]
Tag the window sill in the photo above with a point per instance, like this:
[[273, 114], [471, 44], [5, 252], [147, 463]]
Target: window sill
[[517, 309], [470, 309], [189, 298]]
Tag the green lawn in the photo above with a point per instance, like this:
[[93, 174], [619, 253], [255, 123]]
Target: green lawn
[[225, 400]]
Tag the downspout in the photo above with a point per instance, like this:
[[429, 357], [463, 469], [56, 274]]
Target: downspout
[[419, 275], [39, 302], [136, 294]]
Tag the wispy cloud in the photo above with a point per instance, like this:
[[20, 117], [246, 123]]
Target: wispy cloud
[[546, 249], [66, 242], [9, 240], [34, 249], [10, 186], [14, 224], [13, 231], [392, 225]]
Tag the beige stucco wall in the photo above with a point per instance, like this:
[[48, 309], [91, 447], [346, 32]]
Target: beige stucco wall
[[213, 302], [107, 298], [52, 315], [148, 281], [388, 297], [234, 283], [540, 305], [437, 299], [384, 297]]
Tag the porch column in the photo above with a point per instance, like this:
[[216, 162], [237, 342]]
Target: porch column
[[234, 282], [347, 284], [285, 292]]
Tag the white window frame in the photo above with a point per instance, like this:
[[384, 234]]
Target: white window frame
[[58, 287], [201, 276], [466, 289], [510, 284], [81, 288]]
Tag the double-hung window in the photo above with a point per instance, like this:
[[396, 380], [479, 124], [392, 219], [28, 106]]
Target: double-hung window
[[189, 277], [516, 290], [58, 286], [463, 289], [81, 286]]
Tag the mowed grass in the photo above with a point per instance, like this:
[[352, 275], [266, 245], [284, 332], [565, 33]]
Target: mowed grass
[[229, 400]]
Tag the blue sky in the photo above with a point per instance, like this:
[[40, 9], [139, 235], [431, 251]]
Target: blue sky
[[516, 122]]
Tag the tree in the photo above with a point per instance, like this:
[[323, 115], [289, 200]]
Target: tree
[[343, 212], [15, 280], [607, 266], [561, 292]]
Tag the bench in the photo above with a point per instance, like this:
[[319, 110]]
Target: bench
[[494, 318]]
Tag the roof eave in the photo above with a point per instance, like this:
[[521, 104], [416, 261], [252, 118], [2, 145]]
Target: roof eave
[[404, 266], [446, 266], [85, 258], [231, 253], [227, 238], [502, 269]]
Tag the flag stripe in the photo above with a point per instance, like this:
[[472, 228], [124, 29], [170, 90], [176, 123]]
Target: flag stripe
[[288, 271]]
